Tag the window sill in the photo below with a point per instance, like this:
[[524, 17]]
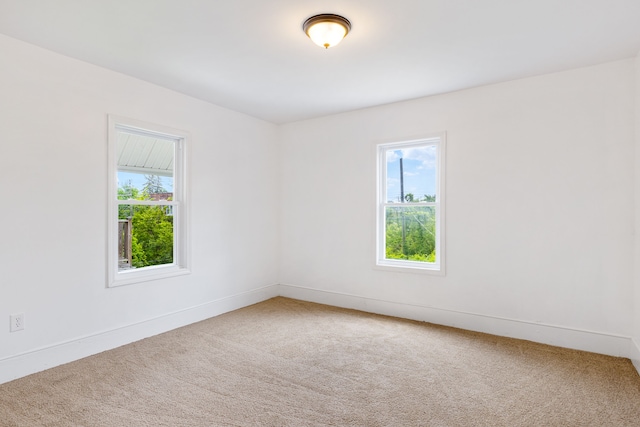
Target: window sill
[[410, 267], [129, 277]]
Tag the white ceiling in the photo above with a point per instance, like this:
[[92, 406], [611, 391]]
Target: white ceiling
[[252, 56]]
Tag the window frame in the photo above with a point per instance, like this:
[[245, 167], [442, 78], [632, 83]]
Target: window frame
[[179, 203], [381, 262]]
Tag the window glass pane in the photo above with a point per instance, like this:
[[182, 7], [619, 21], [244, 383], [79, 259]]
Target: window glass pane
[[145, 236], [417, 182], [145, 166], [410, 233]]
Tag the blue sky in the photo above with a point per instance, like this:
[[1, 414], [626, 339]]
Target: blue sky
[[419, 165]]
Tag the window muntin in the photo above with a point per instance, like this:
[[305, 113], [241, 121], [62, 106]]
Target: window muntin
[[147, 221], [410, 208]]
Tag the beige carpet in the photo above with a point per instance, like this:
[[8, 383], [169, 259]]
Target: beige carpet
[[292, 363]]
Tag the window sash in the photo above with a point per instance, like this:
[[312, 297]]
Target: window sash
[[410, 204], [136, 202]]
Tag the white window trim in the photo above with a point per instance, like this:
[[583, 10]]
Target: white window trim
[[405, 266], [181, 249]]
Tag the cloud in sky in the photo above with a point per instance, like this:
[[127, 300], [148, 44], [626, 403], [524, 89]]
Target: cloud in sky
[[418, 171]]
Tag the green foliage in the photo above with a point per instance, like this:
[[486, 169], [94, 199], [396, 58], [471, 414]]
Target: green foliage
[[153, 185], [410, 233], [153, 233], [128, 192], [139, 258], [152, 228], [409, 197]]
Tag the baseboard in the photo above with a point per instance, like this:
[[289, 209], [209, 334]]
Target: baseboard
[[635, 354], [595, 342], [44, 358]]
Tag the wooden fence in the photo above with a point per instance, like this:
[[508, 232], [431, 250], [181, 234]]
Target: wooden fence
[[124, 244]]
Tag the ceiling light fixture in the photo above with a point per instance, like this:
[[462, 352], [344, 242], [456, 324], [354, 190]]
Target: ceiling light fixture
[[326, 30]]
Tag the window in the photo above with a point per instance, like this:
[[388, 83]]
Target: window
[[410, 216], [147, 202]]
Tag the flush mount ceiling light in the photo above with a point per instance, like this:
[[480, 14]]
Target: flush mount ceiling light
[[326, 30]]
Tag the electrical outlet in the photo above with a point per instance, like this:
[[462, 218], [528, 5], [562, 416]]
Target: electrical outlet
[[17, 322]]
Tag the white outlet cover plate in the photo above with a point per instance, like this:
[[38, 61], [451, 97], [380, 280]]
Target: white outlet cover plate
[[17, 322]]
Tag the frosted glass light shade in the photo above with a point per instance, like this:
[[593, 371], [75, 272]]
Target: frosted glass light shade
[[326, 30]]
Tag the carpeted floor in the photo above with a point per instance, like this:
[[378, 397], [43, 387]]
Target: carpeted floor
[[291, 363]]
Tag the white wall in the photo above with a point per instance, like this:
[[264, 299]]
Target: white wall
[[540, 211], [635, 348], [53, 165]]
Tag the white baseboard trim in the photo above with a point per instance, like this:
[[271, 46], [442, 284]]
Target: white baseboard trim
[[37, 360], [24, 364], [596, 342], [635, 354]]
